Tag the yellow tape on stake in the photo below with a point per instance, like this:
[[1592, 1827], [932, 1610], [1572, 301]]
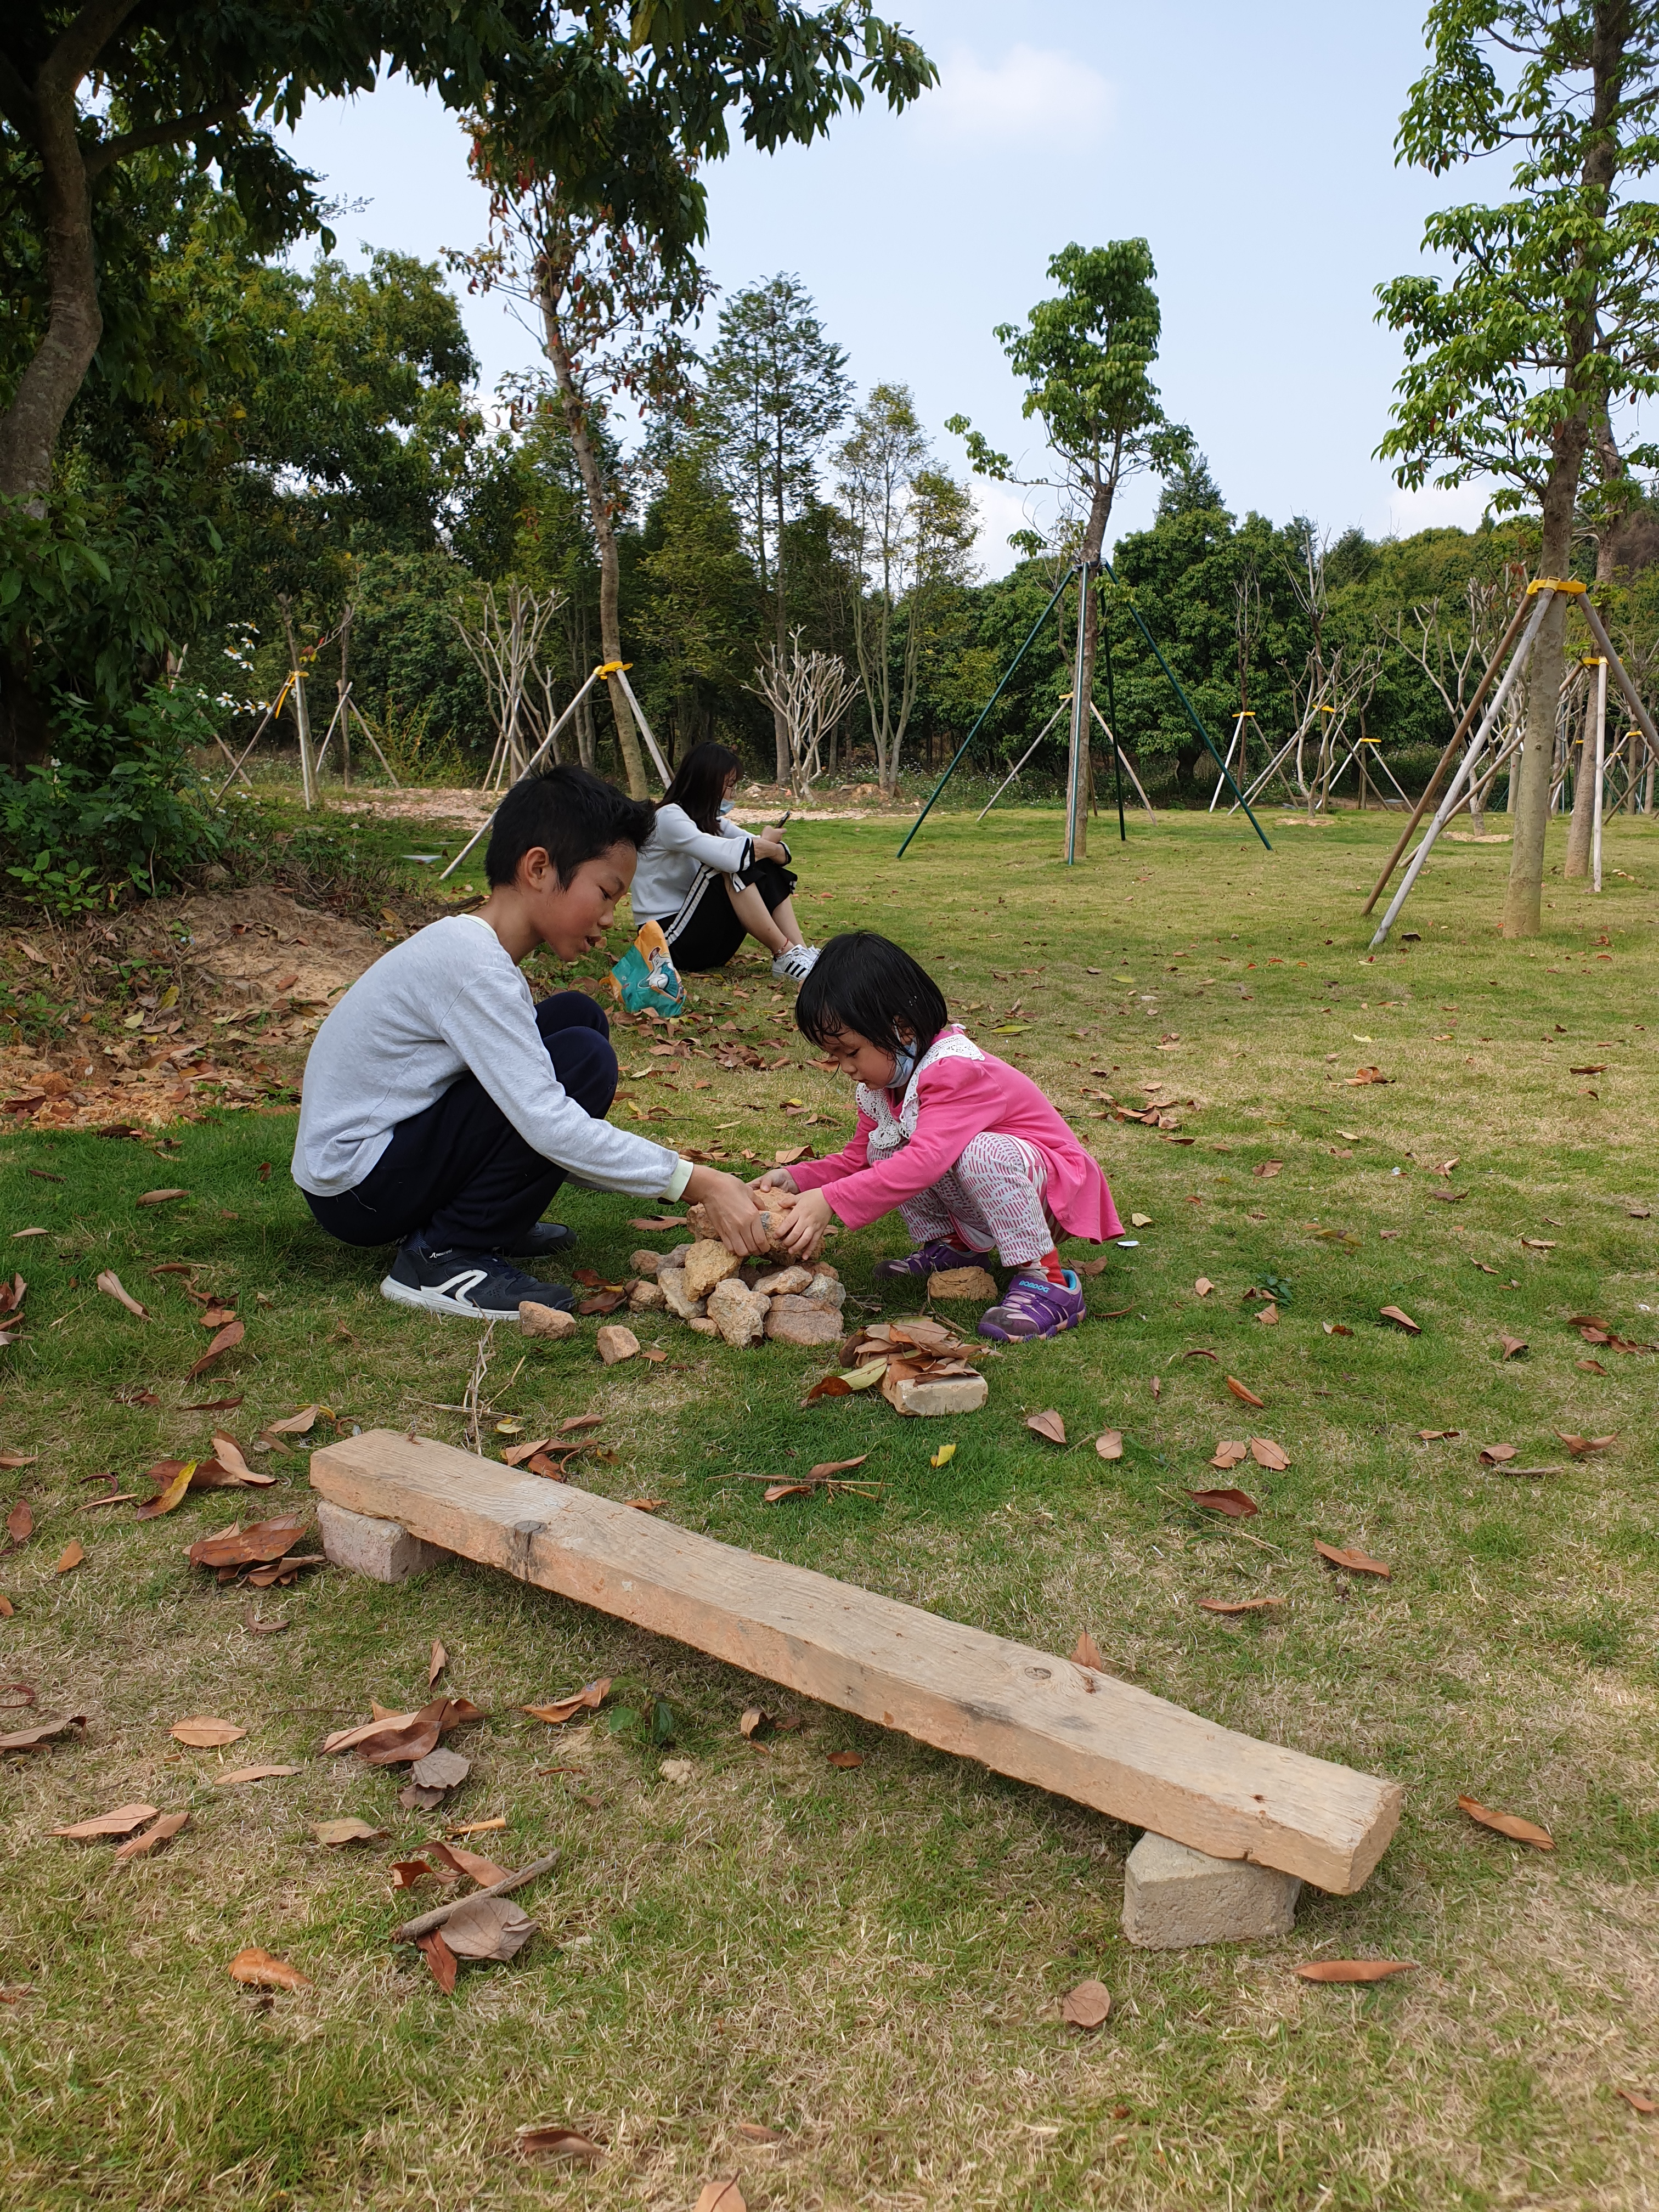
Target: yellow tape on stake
[[1554, 584]]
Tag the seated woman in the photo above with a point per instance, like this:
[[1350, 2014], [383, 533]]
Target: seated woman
[[708, 883]]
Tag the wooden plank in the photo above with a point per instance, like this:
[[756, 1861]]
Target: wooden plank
[[1018, 1711]]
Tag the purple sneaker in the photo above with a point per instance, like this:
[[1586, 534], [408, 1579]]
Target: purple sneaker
[[933, 1259], [1035, 1306]]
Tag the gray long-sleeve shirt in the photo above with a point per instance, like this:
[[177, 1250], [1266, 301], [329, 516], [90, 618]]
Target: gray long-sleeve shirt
[[446, 1002], [677, 853]]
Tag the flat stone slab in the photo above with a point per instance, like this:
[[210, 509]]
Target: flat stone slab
[[364, 1545], [1175, 1897]]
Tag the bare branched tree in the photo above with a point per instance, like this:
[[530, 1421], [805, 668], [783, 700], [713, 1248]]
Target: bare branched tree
[[505, 641], [809, 693]]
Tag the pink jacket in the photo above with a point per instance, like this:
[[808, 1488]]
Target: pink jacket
[[963, 1093]]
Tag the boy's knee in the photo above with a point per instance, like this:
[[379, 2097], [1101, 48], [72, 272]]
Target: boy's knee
[[585, 1063], [570, 1010]]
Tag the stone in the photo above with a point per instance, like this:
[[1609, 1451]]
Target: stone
[[676, 1296], [785, 1282], [546, 1321], [963, 1283], [647, 1297], [952, 1393], [645, 1263], [703, 1326], [707, 1263], [826, 1291], [614, 1342], [739, 1313], [1174, 1897], [383, 1550], [793, 1321]]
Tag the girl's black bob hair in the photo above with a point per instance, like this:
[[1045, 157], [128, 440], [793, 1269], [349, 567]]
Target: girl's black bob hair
[[866, 982], [699, 783]]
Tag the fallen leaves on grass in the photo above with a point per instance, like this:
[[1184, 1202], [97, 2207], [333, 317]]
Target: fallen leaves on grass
[[240, 1775], [1355, 1970], [17, 1694], [1244, 1394], [120, 1822], [473, 1864], [1508, 1824], [438, 1661], [1513, 1346], [1495, 1455], [204, 1733], [264, 1540], [160, 1197], [1356, 1563], [1266, 1453], [1589, 1367], [18, 1459], [227, 1340], [752, 1720], [492, 1928], [1203, 1286], [70, 1557], [1579, 1446], [259, 1970], [1229, 1452], [1109, 1443], [175, 1476], [1364, 1075], [296, 1424], [752, 2131], [109, 1284], [553, 2143], [1233, 1502], [1266, 1168], [1636, 2101], [720, 2196], [1140, 1221], [1087, 2005], [440, 1958], [1438, 1435], [560, 1710], [232, 1468], [846, 1758], [348, 1830], [1401, 1319], [1539, 1243], [163, 1831], [1086, 1653], [942, 1457], [1238, 1604], [1048, 1426], [19, 1522], [411, 1735]]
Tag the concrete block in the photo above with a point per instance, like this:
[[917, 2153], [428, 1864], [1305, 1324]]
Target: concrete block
[[952, 1393], [1174, 1897], [382, 1550]]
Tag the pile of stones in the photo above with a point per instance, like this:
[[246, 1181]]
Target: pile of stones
[[718, 1294]]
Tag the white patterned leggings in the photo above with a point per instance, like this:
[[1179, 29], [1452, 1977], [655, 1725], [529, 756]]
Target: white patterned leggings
[[993, 1197]]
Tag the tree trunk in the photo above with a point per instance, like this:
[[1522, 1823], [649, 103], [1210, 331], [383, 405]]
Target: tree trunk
[[599, 509], [1094, 538], [785, 765]]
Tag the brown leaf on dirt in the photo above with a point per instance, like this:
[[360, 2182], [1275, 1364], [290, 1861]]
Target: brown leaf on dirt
[[121, 1822], [175, 1477], [1087, 2005], [1579, 1446], [1495, 1455], [492, 1928], [239, 1775], [227, 1340], [1268, 1168], [1356, 1563], [1227, 1453], [1048, 1425], [203, 1733], [296, 1424], [140, 1847], [264, 1540], [560, 1710], [259, 1970], [473, 1864], [71, 1556], [720, 2196], [1086, 1653], [1244, 1394], [228, 1457], [412, 1738], [1400, 1320], [846, 1758], [438, 1661], [1636, 2101], [1508, 1824], [580, 1421], [406, 1873], [1233, 1502], [110, 1283], [440, 1958], [18, 1459], [1355, 1970], [19, 1522], [1512, 1345], [752, 2131], [1109, 1443], [348, 1830], [1589, 1367], [551, 2143], [1266, 1453], [1239, 1605]]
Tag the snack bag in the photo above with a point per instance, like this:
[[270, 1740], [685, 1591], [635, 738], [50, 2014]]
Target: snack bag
[[646, 979]]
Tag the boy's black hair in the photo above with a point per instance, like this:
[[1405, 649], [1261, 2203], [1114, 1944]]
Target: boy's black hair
[[699, 783], [866, 982], [573, 815]]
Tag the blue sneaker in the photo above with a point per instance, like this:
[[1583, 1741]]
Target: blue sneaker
[[1033, 1306]]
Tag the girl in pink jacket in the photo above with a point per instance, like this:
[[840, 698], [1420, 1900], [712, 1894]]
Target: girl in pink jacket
[[968, 1149]]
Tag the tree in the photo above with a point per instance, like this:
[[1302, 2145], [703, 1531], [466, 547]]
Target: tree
[[698, 608], [776, 389], [1514, 368], [909, 529], [1086, 358]]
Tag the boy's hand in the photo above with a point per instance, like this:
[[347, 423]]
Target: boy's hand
[[775, 1179], [733, 1216], [801, 1229]]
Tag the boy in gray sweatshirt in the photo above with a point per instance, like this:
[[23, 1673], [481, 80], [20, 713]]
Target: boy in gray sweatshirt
[[442, 1107]]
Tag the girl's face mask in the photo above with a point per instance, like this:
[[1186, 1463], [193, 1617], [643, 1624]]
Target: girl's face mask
[[904, 1066]]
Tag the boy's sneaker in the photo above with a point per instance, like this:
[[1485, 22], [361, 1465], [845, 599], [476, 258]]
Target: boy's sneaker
[[474, 1285], [540, 1242], [1033, 1306], [796, 962], [930, 1259]]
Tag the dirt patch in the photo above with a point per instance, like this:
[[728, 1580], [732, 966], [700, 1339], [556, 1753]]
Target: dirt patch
[[260, 947]]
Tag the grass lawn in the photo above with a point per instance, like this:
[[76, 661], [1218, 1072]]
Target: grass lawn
[[868, 1961]]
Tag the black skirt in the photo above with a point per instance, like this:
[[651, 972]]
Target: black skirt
[[706, 931]]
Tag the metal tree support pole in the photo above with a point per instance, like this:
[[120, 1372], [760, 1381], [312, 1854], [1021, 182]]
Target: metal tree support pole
[[535, 757], [1140, 791], [1447, 806], [1111, 708], [1002, 687], [1021, 762], [1080, 721], [1632, 697], [1601, 770], [621, 672], [1192, 713]]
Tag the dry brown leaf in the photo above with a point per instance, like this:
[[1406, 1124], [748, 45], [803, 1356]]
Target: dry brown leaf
[[261, 1971], [1513, 1345], [1227, 1453], [71, 1556], [1087, 2005], [121, 1822], [564, 1709], [1579, 1446], [7, 1609], [175, 1476], [846, 1758], [140, 1847], [348, 1830], [203, 1733], [752, 2131], [227, 1340], [18, 1459], [473, 1864], [1048, 1425], [227, 1453], [29, 1738], [1233, 1502], [720, 2196], [110, 1283], [19, 1522], [264, 1540], [1539, 1243], [1497, 1455], [492, 1928], [1336, 1328], [1241, 1391], [438, 1661], [1438, 1435], [440, 1958], [1266, 1453], [296, 1424], [1268, 1168], [1109, 1444], [411, 1739], [580, 1421], [1239, 1605], [826, 1467], [1508, 1824], [159, 1197], [1636, 2101], [551, 2143], [1400, 1320], [516, 1454], [1356, 1563], [1268, 1316], [1203, 1286], [440, 1770], [239, 1775], [1356, 1970], [406, 1873], [752, 1721], [1086, 1653], [17, 1694]]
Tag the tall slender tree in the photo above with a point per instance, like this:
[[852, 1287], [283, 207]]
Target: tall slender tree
[[1516, 366], [776, 389]]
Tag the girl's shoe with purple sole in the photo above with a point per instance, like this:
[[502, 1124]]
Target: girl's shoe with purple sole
[[931, 1259], [1033, 1306]]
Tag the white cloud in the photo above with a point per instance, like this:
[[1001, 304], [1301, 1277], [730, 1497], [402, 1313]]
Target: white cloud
[[1033, 94], [1003, 508], [1431, 508]]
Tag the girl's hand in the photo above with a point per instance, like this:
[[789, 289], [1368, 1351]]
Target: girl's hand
[[776, 1179], [800, 1229]]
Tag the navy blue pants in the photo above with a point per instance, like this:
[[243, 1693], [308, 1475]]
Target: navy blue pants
[[459, 1169]]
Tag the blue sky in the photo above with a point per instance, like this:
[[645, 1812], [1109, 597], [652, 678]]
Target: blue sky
[[1252, 148]]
